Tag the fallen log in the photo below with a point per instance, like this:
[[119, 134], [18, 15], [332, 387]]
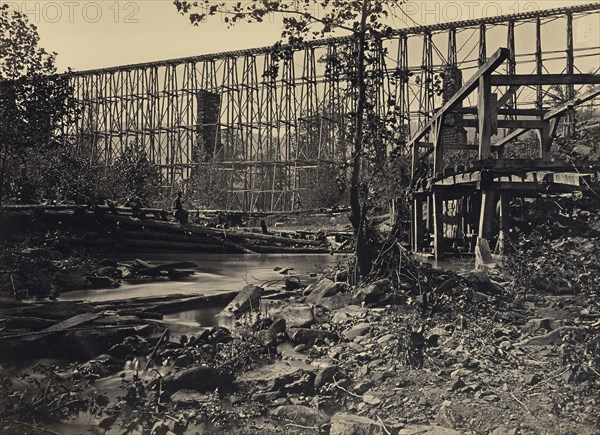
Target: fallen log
[[166, 267]]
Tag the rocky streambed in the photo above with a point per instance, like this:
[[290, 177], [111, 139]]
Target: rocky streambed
[[441, 352]]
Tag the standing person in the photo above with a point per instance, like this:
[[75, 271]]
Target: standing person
[[181, 214]]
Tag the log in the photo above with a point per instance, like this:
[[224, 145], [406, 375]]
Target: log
[[247, 298]]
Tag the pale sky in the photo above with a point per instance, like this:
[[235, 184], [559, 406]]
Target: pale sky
[[90, 34]]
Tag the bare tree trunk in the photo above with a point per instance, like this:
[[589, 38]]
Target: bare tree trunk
[[358, 213]]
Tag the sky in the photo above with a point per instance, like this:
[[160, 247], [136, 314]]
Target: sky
[[89, 34]]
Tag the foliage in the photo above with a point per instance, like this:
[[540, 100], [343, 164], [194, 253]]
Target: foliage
[[325, 187], [34, 104], [133, 176], [207, 186]]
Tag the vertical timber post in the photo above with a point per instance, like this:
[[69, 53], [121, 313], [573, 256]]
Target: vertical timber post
[[417, 223], [438, 225], [504, 223], [570, 119], [539, 66]]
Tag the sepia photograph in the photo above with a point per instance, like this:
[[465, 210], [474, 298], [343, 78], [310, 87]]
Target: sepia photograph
[[304, 217]]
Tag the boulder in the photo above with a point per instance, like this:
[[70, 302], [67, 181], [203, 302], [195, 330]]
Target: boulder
[[349, 424], [296, 315], [554, 337], [109, 271], [71, 281], [321, 289], [133, 345], [335, 302], [373, 292], [199, 379], [309, 336], [302, 415], [356, 331]]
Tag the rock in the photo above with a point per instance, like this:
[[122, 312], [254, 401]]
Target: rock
[[335, 302], [356, 331], [267, 338], [446, 415], [199, 379], [373, 292], [505, 430], [457, 384], [71, 282], [321, 289], [302, 415], [133, 345], [109, 271], [188, 397], [554, 337], [349, 424], [309, 336], [278, 326], [296, 315], [371, 398], [482, 282], [292, 283], [348, 313], [386, 339], [534, 325], [300, 348], [341, 276], [247, 298], [219, 334], [532, 379], [102, 281], [326, 375], [108, 263]]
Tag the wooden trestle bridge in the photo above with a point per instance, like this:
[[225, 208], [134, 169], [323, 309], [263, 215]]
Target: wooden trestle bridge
[[271, 125], [492, 178]]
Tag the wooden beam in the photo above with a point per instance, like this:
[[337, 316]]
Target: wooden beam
[[507, 97], [511, 136], [558, 111], [545, 79], [450, 146], [438, 225], [490, 65], [501, 111], [417, 224], [484, 122], [486, 218], [527, 124]]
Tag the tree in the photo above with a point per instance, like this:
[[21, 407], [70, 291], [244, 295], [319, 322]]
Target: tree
[[34, 102], [364, 21]]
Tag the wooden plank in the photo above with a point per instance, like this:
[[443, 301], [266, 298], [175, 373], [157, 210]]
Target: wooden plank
[[451, 146], [490, 65], [501, 111], [417, 224], [572, 178], [245, 300], [486, 217], [545, 79], [77, 320]]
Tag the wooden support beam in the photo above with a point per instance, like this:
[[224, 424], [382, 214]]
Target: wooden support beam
[[546, 137], [438, 147], [507, 98], [438, 225], [511, 136], [450, 146], [580, 99], [528, 124], [485, 115], [488, 209], [501, 111], [417, 224], [490, 65], [504, 220], [545, 79]]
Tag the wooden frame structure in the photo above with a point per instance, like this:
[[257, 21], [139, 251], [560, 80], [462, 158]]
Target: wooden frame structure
[[492, 177], [269, 123]]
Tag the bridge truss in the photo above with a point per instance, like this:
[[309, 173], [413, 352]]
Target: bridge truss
[[267, 124]]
